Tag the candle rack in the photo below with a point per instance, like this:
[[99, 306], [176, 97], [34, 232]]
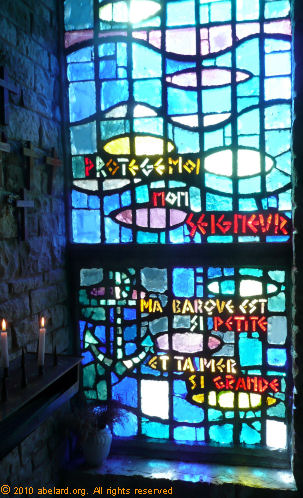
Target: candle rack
[[27, 406]]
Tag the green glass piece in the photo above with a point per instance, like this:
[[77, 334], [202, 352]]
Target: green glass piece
[[91, 276], [97, 314], [89, 376], [89, 338], [120, 369], [102, 390], [83, 299]]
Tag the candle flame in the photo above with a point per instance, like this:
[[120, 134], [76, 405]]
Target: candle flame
[[42, 322], [3, 325]]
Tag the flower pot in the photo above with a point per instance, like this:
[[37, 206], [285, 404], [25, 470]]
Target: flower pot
[[96, 447]]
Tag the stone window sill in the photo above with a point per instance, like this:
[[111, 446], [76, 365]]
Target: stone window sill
[[138, 471]]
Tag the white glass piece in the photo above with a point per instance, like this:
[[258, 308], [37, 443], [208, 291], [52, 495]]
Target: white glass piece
[[276, 434], [114, 184], [139, 11], [87, 185], [191, 120], [250, 288], [249, 162], [143, 111], [154, 398], [118, 112], [277, 329]]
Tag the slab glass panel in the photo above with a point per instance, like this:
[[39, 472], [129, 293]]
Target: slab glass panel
[[180, 118], [192, 354]]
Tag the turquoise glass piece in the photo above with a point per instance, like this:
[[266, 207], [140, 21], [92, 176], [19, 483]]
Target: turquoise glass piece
[[249, 435], [128, 426], [155, 429], [82, 100], [183, 282], [78, 14], [86, 226], [185, 433], [250, 351], [222, 434], [276, 357]]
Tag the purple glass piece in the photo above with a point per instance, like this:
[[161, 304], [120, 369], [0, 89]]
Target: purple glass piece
[[220, 38], [176, 217], [98, 291], [157, 217], [210, 77], [141, 218], [279, 27], [181, 41], [125, 216], [73, 37]]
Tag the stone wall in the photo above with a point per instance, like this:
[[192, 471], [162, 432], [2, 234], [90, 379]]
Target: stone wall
[[32, 272]]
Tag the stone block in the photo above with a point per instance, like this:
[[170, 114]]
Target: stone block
[[54, 65], [50, 135], [54, 276], [44, 83], [15, 309], [25, 284], [17, 12], [8, 222], [9, 259], [45, 35], [51, 4], [8, 31], [39, 457], [35, 256], [42, 299], [35, 440], [37, 103], [14, 175], [62, 291], [23, 124], [57, 317], [58, 250], [25, 331], [33, 50], [4, 291], [61, 340]]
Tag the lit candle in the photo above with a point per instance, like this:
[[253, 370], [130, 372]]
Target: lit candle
[[4, 345], [41, 350]]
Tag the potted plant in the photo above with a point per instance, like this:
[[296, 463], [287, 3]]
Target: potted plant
[[90, 421]]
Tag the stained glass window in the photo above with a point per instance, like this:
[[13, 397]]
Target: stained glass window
[[179, 135], [180, 120], [195, 354]]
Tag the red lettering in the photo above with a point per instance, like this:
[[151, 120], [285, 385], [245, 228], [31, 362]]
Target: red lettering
[[239, 320], [230, 381], [219, 382], [217, 322], [192, 225], [156, 196], [201, 224], [224, 226], [89, 165], [274, 385], [283, 222], [240, 384]]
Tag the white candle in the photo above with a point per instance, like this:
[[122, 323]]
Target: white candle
[[4, 345], [41, 350]]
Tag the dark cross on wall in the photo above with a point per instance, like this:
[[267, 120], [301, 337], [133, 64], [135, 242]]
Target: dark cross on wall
[[4, 148], [22, 205], [30, 155], [54, 162], [5, 88]]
